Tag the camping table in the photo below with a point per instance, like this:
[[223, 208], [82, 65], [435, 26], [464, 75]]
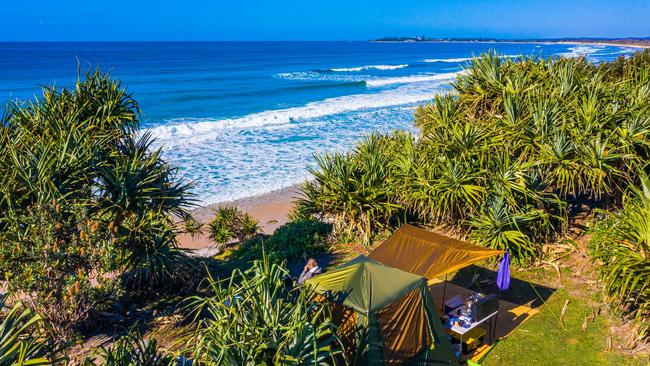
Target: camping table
[[460, 330]]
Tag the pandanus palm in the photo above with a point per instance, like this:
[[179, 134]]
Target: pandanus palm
[[79, 148], [622, 243], [481, 85], [253, 318], [23, 340], [499, 226], [353, 190], [137, 180]]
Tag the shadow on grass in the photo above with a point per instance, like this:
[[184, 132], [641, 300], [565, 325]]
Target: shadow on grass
[[520, 292]]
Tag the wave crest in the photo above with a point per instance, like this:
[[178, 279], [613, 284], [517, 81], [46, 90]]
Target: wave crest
[[193, 130], [370, 67], [454, 60], [412, 79]]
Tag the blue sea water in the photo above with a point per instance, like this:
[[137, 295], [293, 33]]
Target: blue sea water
[[244, 118]]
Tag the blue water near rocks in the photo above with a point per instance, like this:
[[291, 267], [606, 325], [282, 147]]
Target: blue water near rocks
[[244, 118]]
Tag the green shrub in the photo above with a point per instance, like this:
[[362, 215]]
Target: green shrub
[[83, 193], [51, 251], [193, 227], [147, 253], [231, 224], [352, 190], [289, 241]]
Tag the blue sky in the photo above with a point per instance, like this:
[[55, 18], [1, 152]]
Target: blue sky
[[49, 20]]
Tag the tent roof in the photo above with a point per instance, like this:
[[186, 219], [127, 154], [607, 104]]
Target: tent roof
[[428, 254], [367, 285]]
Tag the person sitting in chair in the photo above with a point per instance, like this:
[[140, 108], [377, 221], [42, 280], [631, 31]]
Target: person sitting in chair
[[311, 269]]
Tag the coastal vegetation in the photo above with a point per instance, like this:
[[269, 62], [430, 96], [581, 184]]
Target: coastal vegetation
[[254, 318], [89, 215], [522, 153], [87, 205], [23, 339], [621, 244], [292, 241], [512, 158], [230, 224]]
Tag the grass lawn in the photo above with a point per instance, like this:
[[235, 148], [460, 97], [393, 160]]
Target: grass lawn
[[541, 340]]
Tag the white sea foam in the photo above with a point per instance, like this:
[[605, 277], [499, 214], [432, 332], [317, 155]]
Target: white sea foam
[[317, 76], [454, 60], [412, 79], [581, 50], [182, 131], [460, 59], [218, 154], [243, 163], [370, 67]]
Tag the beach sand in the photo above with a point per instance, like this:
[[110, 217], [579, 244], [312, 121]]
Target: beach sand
[[270, 209], [610, 44]]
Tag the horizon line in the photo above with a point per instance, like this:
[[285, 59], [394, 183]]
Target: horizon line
[[433, 39]]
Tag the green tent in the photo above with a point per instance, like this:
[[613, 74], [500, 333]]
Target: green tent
[[391, 312]]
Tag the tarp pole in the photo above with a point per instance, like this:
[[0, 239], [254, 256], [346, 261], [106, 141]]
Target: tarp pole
[[444, 292]]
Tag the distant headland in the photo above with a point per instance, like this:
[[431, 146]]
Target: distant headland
[[629, 41]]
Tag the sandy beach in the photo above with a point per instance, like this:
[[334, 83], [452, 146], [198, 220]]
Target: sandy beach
[[270, 209], [610, 44]]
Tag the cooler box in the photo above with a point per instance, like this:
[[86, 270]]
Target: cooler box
[[484, 307]]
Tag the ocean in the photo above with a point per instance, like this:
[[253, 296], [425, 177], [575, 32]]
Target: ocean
[[245, 118]]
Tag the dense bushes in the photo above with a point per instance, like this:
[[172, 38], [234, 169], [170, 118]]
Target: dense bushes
[[506, 158], [84, 201], [352, 190], [55, 251], [621, 243], [289, 242]]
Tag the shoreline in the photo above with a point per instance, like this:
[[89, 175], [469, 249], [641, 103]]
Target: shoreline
[[609, 44], [270, 209]]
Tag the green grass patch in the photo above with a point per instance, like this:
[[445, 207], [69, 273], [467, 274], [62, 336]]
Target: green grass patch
[[542, 341]]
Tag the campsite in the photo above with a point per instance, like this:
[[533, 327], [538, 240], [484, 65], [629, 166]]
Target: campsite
[[507, 224], [395, 297]]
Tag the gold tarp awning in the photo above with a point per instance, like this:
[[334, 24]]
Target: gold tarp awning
[[428, 254]]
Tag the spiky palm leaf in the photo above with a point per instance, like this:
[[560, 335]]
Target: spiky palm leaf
[[22, 338]]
